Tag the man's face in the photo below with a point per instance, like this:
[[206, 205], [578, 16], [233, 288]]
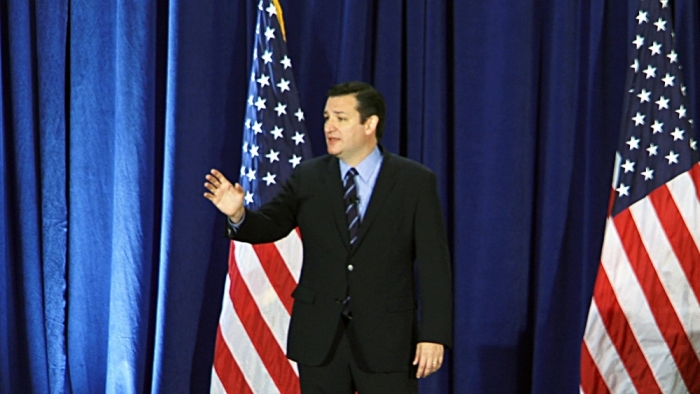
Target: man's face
[[347, 138]]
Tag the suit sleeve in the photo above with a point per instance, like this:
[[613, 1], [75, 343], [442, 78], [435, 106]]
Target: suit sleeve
[[274, 220], [434, 268]]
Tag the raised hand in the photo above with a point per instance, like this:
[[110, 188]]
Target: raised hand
[[227, 197]]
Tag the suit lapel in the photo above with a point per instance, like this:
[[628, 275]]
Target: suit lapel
[[334, 196], [382, 189]]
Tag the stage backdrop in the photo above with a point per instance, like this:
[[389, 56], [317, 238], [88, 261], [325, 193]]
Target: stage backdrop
[[112, 263]]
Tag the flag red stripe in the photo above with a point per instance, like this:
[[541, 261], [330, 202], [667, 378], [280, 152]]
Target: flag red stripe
[[622, 337], [611, 202], [227, 369], [276, 363], [593, 383], [277, 272]]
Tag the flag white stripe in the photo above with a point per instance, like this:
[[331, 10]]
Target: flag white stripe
[[290, 248], [244, 353], [668, 268], [268, 303], [608, 362], [216, 387], [634, 305], [616, 169]]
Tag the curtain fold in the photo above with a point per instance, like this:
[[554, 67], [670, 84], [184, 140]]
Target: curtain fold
[[35, 193], [112, 263], [50, 51]]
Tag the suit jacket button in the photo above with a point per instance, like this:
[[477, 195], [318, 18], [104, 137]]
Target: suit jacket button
[[350, 267]]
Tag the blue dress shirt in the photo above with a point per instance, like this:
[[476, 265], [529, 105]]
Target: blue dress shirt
[[367, 172]]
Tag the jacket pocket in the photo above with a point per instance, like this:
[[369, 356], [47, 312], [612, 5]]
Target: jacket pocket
[[304, 294]]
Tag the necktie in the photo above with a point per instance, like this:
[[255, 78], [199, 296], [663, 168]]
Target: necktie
[[352, 213]]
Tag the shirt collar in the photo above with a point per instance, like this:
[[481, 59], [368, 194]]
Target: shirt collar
[[367, 167]]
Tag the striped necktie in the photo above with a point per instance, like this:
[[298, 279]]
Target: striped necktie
[[352, 212]]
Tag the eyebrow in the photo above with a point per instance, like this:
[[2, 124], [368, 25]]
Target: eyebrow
[[335, 112]]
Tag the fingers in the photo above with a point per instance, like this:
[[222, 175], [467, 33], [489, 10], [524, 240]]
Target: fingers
[[214, 183], [216, 178], [211, 187], [216, 173]]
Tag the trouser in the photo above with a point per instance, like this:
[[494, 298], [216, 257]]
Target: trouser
[[342, 374]]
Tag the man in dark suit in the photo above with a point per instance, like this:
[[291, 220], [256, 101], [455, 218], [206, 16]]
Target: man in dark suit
[[367, 218]]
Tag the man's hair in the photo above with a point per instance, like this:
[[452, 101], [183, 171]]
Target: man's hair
[[369, 101]]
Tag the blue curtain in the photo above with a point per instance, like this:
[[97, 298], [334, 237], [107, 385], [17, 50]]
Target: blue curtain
[[112, 263]]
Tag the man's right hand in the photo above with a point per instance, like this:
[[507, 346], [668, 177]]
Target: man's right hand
[[227, 197]]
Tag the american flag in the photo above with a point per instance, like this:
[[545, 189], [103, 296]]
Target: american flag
[[643, 328], [252, 334]]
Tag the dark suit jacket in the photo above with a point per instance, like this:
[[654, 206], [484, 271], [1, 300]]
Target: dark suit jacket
[[402, 224]]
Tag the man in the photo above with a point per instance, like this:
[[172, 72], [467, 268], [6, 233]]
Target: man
[[366, 217]]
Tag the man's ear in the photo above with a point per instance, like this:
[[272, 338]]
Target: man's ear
[[371, 124]]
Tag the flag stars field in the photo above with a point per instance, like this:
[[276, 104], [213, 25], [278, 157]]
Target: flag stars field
[[283, 85], [633, 143], [269, 33], [635, 65], [653, 150], [650, 72], [662, 102], [281, 109], [277, 132], [655, 48], [628, 166], [644, 96], [638, 41], [660, 24], [286, 62], [642, 17], [273, 156], [668, 80], [298, 138]]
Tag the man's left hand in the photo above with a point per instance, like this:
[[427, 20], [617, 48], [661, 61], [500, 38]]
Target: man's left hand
[[428, 358]]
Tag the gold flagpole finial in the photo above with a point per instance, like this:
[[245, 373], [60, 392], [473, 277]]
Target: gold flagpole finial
[[280, 18]]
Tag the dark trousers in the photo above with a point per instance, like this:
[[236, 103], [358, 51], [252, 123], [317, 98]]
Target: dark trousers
[[341, 373]]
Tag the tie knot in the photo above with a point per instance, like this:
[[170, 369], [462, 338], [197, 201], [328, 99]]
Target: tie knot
[[351, 172], [350, 178]]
